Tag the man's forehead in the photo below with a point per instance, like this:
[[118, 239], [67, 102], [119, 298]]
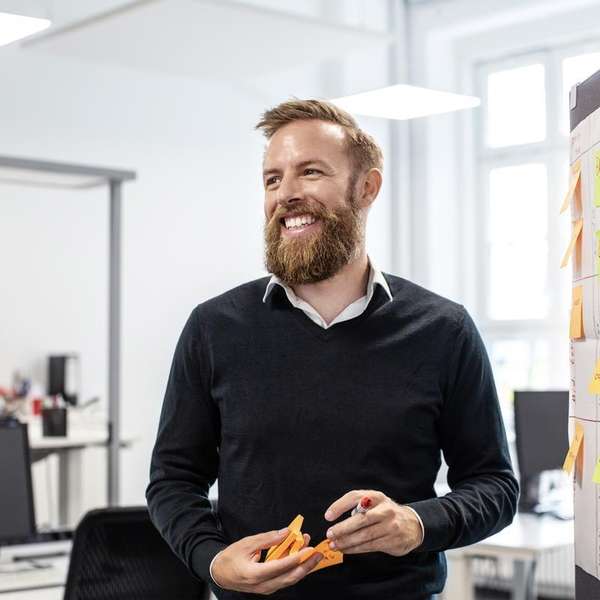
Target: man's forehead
[[304, 140], [309, 129]]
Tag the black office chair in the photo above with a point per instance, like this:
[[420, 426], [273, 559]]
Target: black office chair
[[118, 554]]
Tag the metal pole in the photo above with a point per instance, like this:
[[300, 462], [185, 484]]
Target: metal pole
[[399, 156], [114, 342]]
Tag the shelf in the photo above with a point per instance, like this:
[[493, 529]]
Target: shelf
[[42, 173]]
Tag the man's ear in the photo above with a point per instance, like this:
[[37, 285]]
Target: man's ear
[[371, 184]]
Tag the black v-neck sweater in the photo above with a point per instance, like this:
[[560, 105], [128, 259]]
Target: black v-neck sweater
[[290, 416]]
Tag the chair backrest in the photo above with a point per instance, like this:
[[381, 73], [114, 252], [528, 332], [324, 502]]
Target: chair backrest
[[118, 554]]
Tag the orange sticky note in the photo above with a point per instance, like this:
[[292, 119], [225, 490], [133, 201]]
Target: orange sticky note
[[596, 476], [577, 227], [297, 544], [324, 545], [294, 542], [330, 557], [576, 328], [574, 181], [574, 449], [278, 550], [281, 548], [594, 386]]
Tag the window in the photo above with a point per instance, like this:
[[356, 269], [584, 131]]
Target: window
[[517, 245], [516, 106], [523, 169]]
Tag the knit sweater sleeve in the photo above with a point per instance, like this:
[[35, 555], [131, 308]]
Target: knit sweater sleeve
[[484, 490], [185, 457]]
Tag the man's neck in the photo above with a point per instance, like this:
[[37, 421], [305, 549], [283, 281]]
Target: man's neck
[[331, 296]]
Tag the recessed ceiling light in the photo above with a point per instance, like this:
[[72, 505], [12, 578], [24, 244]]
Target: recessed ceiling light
[[404, 102], [14, 27]]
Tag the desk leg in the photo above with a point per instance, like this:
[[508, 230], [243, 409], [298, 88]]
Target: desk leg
[[459, 584], [524, 580], [70, 487]]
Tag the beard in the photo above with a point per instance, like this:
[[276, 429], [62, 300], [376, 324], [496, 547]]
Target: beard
[[317, 255]]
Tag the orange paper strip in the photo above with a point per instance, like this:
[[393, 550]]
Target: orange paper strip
[[574, 449], [575, 179], [294, 530], [594, 386], [576, 328], [577, 227]]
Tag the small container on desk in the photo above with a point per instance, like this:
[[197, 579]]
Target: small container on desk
[[54, 420]]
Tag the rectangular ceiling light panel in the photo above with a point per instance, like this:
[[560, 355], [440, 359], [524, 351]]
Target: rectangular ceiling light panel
[[14, 27], [404, 102]]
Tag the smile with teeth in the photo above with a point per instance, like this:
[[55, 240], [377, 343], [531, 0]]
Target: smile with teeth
[[299, 222]]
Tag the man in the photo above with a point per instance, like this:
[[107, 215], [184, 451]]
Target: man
[[327, 381]]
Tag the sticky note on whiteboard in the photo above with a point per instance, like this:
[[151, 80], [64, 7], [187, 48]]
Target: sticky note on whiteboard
[[598, 252], [594, 386], [577, 227], [596, 476], [573, 183], [574, 449], [576, 328], [597, 178]]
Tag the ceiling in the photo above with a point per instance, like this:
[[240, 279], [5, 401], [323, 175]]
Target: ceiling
[[220, 39]]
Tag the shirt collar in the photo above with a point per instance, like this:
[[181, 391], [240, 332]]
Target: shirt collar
[[375, 277]]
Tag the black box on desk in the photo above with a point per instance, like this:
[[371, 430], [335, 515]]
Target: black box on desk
[[54, 422]]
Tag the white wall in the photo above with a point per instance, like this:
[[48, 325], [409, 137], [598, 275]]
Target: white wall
[[192, 221]]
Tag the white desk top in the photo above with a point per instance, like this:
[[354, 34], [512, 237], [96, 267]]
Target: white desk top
[[19, 581], [47, 582], [81, 433], [526, 538]]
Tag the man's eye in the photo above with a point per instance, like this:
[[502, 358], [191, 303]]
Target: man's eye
[[271, 180], [314, 170]]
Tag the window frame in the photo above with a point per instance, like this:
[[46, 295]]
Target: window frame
[[553, 152]]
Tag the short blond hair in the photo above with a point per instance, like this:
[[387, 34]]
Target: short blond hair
[[362, 149]]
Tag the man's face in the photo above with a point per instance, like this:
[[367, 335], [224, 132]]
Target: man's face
[[308, 176]]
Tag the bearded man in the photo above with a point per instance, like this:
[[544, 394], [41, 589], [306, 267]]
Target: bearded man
[[330, 380]]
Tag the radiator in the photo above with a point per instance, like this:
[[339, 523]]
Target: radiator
[[554, 574]]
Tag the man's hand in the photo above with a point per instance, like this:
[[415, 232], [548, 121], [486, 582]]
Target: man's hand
[[238, 568], [386, 527]]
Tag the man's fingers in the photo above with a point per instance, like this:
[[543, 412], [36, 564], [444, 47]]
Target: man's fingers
[[373, 545], [260, 541], [359, 535], [280, 566], [353, 524], [349, 501], [291, 574], [306, 540], [298, 572]]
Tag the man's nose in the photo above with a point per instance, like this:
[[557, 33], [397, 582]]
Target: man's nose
[[289, 192]]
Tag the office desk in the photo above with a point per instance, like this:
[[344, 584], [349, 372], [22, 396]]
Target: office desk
[[39, 584], [43, 584], [82, 434], [35, 594], [524, 542]]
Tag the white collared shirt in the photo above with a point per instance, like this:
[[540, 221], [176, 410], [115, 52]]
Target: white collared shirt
[[352, 310]]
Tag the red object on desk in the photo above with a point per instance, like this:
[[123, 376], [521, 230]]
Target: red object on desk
[[36, 406]]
